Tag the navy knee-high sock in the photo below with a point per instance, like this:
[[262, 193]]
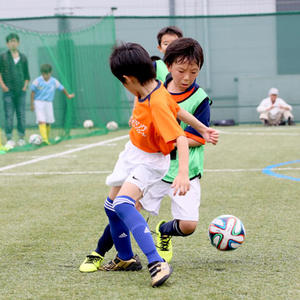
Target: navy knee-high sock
[[119, 232], [171, 228], [105, 242], [124, 207]]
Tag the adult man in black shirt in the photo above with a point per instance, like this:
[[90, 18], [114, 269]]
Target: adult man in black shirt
[[14, 80]]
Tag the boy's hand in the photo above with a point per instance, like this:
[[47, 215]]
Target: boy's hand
[[181, 184], [5, 89], [211, 136], [70, 96]]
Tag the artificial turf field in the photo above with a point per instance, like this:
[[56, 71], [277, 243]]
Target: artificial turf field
[[52, 215]]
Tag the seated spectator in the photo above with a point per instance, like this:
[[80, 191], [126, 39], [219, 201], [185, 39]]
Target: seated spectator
[[274, 110]]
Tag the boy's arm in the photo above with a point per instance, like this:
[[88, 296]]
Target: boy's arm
[[181, 183], [209, 134], [32, 101], [202, 113], [69, 96], [193, 143]]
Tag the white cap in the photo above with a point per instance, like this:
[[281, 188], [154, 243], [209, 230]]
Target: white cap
[[273, 91]]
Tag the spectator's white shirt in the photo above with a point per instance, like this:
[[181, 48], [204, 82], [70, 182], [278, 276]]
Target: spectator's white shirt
[[266, 103]]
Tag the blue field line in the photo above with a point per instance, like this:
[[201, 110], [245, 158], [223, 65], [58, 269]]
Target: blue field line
[[269, 170]]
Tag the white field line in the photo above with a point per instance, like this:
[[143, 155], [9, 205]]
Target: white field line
[[55, 155], [260, 133], [108, 172], [55, 173], [246, 170], [106, 145], [37, 156]]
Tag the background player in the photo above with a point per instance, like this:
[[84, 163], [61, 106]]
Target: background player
[[165, 37], [42, 96]]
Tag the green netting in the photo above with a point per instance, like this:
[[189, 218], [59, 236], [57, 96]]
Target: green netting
[[244, 56], [79, 58]]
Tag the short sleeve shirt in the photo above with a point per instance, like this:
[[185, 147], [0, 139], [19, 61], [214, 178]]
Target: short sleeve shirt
[[45, 90], [154, 124]]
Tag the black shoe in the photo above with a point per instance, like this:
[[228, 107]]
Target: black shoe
[[282, 123], [290, 121], [266, 122]]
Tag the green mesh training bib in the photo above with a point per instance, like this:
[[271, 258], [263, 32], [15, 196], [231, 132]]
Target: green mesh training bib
[[196, 154], [161, 70]]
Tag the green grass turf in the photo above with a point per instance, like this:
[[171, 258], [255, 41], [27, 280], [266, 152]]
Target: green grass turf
[[50, 222]]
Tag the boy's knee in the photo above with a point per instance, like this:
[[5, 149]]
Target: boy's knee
[[187, 227]]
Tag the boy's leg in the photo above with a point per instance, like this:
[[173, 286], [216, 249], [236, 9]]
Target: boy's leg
[[125, 209], [119, 232], [134, 171], [125, 260], [48, 128], [159, 270], [185, 210], [43, 132], [93, 261], [105, 242]]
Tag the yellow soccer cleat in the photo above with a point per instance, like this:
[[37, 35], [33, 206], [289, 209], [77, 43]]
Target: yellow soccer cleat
[[163, 244], [91, 263], [3, 150]]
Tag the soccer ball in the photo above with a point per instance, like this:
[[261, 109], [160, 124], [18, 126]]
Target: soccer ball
[[112, 125], [88, 124], [226, 232], [35, 139]]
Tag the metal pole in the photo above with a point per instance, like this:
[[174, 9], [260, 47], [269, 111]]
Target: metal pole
[[172, 7], [172, 11]]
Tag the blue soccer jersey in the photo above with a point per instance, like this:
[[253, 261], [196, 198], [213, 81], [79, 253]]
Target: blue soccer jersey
[[45, 90]]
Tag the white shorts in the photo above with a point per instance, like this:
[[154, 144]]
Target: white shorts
[[138, 167], [44, 111], [183, 207]]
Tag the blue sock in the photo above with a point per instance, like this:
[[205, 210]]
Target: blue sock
[[124, 207], [119, 232], [105, 242]]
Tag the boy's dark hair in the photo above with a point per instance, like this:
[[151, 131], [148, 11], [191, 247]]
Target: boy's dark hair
[[173, 30], [46, 68], [131, 59], [12, 36], [184, 49], [155, 58]]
